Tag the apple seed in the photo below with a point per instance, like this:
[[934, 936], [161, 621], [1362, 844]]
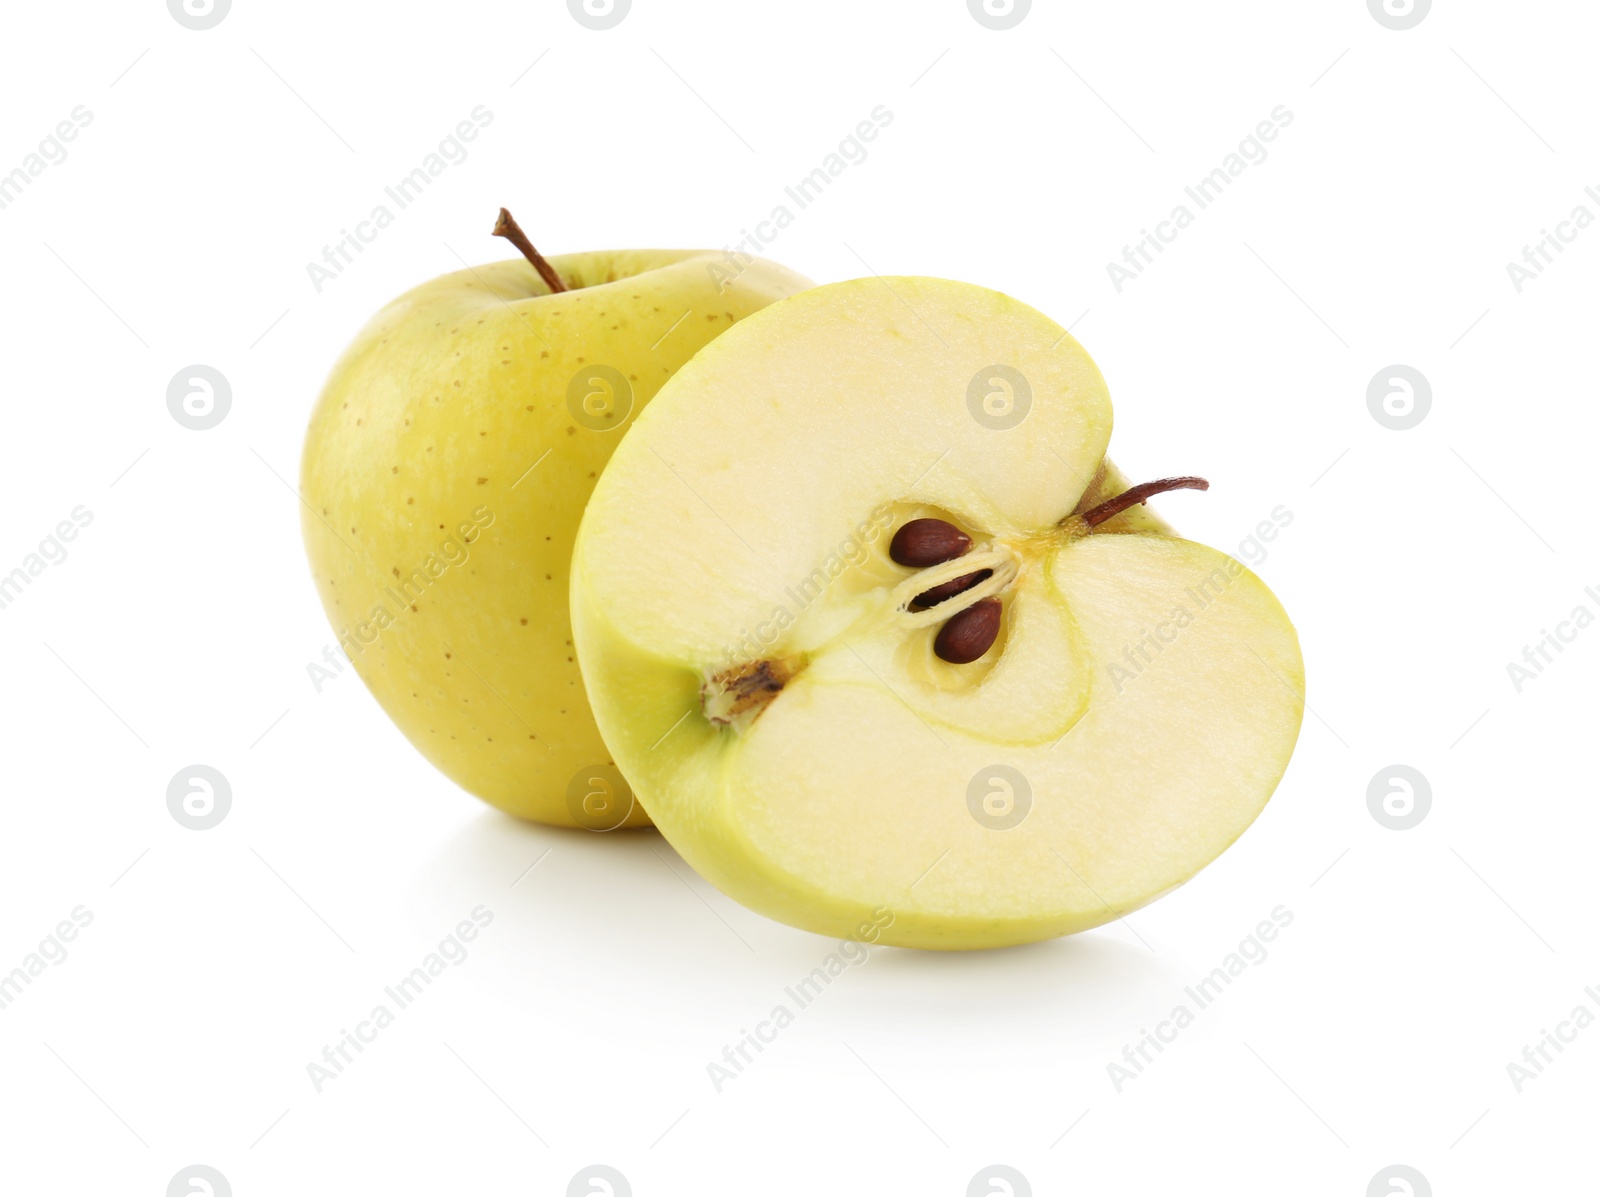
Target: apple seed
[[927, 542], [935, 595], [969, 634]]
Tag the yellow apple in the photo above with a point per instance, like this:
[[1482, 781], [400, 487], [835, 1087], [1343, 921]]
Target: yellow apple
[[886, 648], [446, 467]]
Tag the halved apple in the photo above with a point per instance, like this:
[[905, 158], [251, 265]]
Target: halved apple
[[1095, 715]]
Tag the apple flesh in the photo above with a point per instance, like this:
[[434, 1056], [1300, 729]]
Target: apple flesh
[[760, 673], [445, 469]]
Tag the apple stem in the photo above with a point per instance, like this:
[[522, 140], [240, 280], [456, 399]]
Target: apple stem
[[508, 228], [1135, 495]]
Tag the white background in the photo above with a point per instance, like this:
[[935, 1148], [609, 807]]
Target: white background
[[1418, 564]]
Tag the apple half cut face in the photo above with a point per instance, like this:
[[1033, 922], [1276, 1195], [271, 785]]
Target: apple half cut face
[[787, 699]]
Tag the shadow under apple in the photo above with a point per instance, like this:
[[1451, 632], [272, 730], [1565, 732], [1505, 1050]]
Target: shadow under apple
[[622, 912]]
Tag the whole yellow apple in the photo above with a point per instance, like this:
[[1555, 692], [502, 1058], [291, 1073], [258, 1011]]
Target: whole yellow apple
[[446, 467]]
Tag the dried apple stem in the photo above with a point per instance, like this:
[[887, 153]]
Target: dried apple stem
[[1135, 495], [508, 228]]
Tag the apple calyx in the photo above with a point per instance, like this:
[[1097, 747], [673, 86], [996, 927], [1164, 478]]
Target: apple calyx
[[734, 697], [508, 228]]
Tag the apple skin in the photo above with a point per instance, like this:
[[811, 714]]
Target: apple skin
[[443, 479]]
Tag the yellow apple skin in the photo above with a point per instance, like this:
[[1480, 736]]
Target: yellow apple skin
[[443, 478]]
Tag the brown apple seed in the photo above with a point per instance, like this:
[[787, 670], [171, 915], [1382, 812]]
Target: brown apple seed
[[926, 542], [935, 595], [968, 635]]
